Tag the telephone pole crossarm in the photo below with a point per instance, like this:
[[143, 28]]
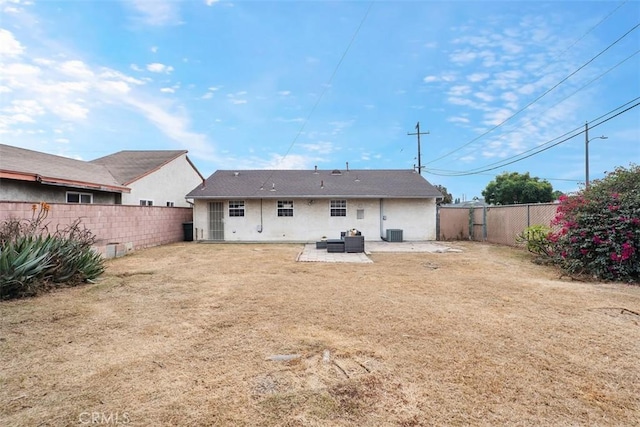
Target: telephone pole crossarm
[[418, 133]]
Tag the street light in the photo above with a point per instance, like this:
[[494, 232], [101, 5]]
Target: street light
[[586, 152]]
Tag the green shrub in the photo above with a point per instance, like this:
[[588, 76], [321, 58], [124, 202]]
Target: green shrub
[[32, 259], [536, 238]]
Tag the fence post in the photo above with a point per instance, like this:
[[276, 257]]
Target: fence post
[[528, 215], [484, 223]]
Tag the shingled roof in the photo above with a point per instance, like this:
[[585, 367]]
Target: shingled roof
[[130, 165], [263, 184], [28, 165]]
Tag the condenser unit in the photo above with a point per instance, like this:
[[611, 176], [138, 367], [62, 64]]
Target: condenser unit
[[394, 235]]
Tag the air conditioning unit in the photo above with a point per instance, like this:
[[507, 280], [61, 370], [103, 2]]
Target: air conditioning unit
[[394, 235]]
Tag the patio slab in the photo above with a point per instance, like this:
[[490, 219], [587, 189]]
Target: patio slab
[[311, 254]]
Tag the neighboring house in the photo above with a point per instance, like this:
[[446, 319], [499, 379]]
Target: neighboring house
[[32, 176], [156, 178], [129, 177], [307, 205]]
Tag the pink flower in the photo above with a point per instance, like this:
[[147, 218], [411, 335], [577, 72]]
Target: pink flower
[[584, 251], [597, 240], [615, 257]]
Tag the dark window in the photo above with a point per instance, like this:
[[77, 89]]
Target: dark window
[[169, 204], [285, 207], [338, 208], [146, 202], [236, 207], [73, 197]]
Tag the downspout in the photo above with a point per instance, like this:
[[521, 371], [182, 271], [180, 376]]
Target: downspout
[[261, 223], [381, 219]]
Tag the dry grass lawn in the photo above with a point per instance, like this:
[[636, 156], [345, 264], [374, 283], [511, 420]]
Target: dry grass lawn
[[182, 335]]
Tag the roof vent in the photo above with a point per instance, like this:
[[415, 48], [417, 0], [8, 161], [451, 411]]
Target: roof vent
[[336, 172], [273, 187], [315, 169], [236, 173]]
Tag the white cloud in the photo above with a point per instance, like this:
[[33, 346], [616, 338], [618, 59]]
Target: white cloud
[[70, 111], [463, 57], [284, 93], [211, 2], [134, 67], [477, 77], [157, 67], [237, 98], [9, 46], [322, 147], [167, 90], [77, 69], [484, 96], [430, 79], [155, 12], [459, 90], [458, 120], [154, 49]]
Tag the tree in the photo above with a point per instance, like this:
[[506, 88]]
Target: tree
[[447, 197], [516, 188]]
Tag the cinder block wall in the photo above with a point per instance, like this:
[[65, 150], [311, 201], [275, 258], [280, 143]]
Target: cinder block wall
[[118, 228]]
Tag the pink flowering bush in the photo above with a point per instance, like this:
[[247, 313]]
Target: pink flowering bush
[[598, 229]]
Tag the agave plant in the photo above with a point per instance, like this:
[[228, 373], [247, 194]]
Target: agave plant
[[22, 263]]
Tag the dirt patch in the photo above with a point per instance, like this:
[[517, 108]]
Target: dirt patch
[[184, 335]]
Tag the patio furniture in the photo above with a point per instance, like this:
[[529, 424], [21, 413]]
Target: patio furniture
[[354, 244], [335, 245]]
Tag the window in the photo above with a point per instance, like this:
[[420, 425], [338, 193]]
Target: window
[[169, 204], [236, 207], [146, 202], [338, 208], [285, 207], [73, 197]]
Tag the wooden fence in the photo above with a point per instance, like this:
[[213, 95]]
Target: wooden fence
[[495, 224]]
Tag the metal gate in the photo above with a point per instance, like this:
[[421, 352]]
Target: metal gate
[[216, 221]]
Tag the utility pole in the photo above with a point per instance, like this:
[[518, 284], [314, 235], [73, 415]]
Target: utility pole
[[586, 154], [419, 155]]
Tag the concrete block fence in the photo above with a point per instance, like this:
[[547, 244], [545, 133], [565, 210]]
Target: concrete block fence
[[119, 228]]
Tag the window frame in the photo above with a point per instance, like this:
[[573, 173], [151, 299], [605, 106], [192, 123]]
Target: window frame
[[284, 211], [338, 207], [236, 208], [145, 202], [80, 196]]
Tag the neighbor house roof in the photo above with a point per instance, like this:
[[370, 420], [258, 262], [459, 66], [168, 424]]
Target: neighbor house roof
[[262, 184], [28, 165], [131, 165]]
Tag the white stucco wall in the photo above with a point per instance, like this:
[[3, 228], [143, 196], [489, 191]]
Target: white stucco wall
[[171, 183], [312, 221]]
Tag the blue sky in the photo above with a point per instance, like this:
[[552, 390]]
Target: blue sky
[[293, 84]]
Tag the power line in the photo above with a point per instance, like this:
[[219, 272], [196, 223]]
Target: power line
[[502, 136], [539, 150], [326, 87], [539, 97]]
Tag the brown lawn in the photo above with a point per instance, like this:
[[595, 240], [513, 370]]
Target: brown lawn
[[181, 335]]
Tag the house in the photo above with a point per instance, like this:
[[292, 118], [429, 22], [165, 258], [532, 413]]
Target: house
[[155, 178], [128, 177], [307, 205]]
